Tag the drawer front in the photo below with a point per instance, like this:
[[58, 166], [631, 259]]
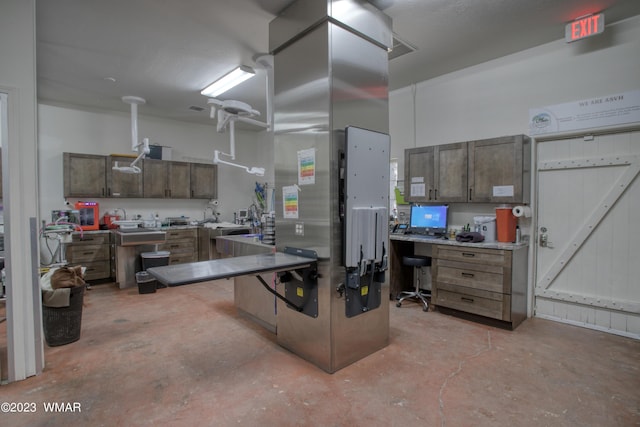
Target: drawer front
[[87, 253], [182, 258], [190, 233], [96, 270], [493, 305], [489, 281], [178, 247], [474, 255], [91, 239]]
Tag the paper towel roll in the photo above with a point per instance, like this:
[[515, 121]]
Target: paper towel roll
[[521, 211]]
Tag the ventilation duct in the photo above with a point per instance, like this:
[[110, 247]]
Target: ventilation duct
[[400, 47]]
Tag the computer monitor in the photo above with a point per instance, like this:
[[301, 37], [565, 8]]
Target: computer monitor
[[429, 219]]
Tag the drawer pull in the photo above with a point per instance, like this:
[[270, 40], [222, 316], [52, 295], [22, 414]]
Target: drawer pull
[[87, 253], [467, 274], [465, 299], [468, 254]]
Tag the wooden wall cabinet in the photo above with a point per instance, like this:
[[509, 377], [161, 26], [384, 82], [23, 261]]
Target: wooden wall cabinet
[[93, 251], [500, 170], [204, 181], [418, 174], [122, 184], [436, 174], [90, 175], [495, 170], [84, 175], [166, 179], [491, 283], [450, 172]]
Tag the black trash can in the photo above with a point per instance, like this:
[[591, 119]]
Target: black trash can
[[62, 325], [146, 283], [154, 259]]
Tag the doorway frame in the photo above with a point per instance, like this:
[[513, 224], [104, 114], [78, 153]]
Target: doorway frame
[[536, 139]]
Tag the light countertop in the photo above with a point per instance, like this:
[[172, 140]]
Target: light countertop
[[416, 238]]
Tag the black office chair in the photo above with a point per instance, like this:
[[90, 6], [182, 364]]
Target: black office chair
[[417, 261]]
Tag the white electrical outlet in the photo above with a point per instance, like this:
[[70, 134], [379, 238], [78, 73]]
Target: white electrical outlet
[[299, 228]]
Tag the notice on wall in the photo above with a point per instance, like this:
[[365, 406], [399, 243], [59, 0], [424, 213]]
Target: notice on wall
[[307, 166], [604, 111], [503, 191], [417, 190], [290, 205]]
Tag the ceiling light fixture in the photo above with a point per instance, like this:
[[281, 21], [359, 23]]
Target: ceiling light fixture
[[228, 81]]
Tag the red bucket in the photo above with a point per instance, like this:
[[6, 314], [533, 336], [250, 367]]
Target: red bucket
[[506, 223]]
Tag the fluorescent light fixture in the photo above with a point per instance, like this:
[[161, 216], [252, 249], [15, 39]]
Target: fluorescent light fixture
[[228, 81]]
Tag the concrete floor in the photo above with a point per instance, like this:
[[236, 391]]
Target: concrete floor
[[184, 356]]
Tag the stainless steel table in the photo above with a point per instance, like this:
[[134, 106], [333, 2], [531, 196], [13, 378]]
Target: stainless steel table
[[195, 272]]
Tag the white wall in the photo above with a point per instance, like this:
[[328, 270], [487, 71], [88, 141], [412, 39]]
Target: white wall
[[68, 129], [493, 99]]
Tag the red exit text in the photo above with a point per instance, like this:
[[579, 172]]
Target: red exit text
[[584, 27]]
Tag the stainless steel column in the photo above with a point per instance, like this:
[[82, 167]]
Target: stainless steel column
[[331, 71]]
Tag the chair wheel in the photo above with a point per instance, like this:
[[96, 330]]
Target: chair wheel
[[425, 308], [398, 304]]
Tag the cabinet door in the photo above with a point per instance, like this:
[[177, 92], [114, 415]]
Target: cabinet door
[[204, 181], [418, 174], [163, 179], [154, 178], [450, 173], [84, 175], [496, 170], [179, 180], [122, 184]]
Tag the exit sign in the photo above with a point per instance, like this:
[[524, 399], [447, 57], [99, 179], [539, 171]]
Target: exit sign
[[586, 26]]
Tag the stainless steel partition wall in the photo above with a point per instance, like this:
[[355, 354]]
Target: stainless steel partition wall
[[331, 72]]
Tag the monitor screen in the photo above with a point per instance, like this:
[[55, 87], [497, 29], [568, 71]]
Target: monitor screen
[[431, 219]]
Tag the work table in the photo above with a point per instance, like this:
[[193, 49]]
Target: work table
[[417, 238], [485, 281]]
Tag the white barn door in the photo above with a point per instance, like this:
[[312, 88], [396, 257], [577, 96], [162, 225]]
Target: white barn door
[[588, 230]]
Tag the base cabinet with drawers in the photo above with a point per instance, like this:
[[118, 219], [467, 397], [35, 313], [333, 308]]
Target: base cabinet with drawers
[[182, 245], [485, 282], [93, 251]]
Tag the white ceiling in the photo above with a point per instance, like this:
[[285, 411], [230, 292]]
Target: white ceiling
[[90, 53]]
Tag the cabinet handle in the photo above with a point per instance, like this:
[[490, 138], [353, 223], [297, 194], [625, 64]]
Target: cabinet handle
[[435, 192], [467, 274], [87, 253], [465, 299], [103, 191], [468, 254], [430, 194], [470, 198]]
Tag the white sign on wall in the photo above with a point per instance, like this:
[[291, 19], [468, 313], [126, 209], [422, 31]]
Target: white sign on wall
[[616, 109]]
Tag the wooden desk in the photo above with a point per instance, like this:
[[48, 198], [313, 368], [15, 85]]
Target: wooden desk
[[483, 281]]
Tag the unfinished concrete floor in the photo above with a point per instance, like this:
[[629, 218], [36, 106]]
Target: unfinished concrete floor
[[184, 356]]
